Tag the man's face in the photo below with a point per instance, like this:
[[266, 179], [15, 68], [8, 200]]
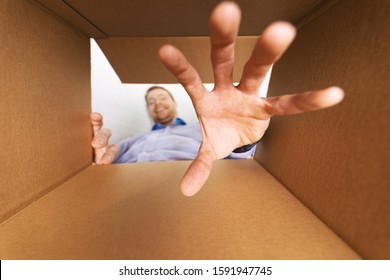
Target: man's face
[[161, 106]]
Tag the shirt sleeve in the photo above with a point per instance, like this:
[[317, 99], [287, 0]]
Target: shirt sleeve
[[246, 155]]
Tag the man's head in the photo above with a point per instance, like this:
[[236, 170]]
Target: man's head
[[161, 105]]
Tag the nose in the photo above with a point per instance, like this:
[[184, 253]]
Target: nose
[[157, 106]]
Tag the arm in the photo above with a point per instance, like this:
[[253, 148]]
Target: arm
[[233, 116]]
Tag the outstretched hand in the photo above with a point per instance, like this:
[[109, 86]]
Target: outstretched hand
[[233, 116]]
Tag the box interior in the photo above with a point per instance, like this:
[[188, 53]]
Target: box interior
[[320, 197]]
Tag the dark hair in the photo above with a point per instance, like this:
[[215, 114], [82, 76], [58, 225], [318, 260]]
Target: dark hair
[[157, 87]]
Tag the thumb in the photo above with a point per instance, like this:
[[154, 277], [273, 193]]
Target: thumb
[[197, 174]]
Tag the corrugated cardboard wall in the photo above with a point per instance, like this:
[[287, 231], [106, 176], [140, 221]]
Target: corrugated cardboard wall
[[337, 161], [45, 104]]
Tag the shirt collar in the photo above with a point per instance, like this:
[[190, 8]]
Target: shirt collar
[[176, 122]]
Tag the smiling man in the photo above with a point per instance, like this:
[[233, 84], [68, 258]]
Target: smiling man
[[170, 137]]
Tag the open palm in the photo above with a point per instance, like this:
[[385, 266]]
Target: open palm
[[232, 116]]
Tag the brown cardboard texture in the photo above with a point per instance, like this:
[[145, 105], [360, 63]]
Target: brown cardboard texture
[[131, 67], [323, 192], [121, 212], [45, 99], [346, 159], [168, 18]]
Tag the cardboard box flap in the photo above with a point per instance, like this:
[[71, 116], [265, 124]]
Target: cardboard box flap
[[67, 13], [163, 18], [127, 211], [136, 60]]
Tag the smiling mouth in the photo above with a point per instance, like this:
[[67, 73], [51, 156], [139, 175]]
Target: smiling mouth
[[159, 110]]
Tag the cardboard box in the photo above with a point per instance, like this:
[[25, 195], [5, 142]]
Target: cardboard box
[[318, 187]]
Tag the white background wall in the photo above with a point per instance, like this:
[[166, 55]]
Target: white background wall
[[123, 105]]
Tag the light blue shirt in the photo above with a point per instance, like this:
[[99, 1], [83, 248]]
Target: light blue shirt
[[176, 141]]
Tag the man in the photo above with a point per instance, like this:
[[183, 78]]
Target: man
[[229, 116]]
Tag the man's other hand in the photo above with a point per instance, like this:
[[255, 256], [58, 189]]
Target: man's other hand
[[104, 153]]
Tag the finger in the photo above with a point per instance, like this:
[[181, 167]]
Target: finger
[[184, 72], [224, 24], [304, 102], [98, 154], [270, 46], [101, 138], [97, 121], [110, 154], [197, 174]]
